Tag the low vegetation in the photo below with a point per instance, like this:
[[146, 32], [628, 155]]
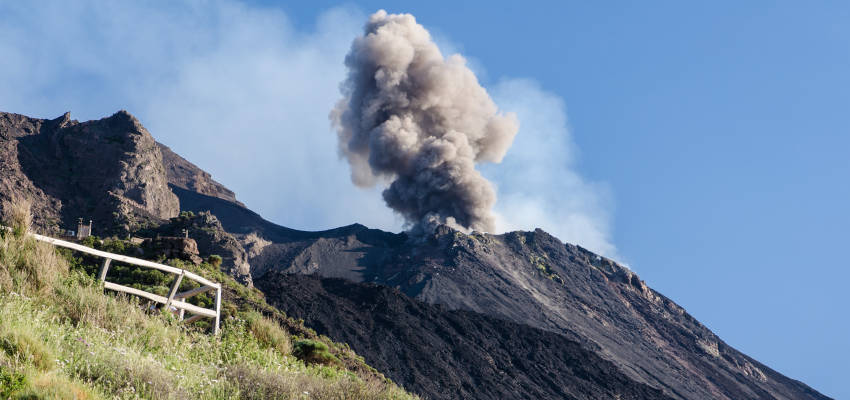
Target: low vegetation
[[62, 338], [314, 352]]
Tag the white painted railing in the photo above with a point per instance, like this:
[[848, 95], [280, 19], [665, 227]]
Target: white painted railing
[[174, 299]]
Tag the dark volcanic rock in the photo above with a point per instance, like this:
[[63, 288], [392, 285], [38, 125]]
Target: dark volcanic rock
[[534, 279], [444, 354], [109, 170], [269, 245]]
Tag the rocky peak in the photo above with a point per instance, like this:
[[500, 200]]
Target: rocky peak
[[108, 170], [64, 120]]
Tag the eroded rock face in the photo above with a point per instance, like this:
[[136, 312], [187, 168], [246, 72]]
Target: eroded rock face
[[14, 182], [109, 170]]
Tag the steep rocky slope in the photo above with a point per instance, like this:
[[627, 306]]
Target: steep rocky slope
[[449, 354], [109, 171]]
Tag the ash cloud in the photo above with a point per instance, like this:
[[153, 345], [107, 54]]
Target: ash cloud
[[419, 121]]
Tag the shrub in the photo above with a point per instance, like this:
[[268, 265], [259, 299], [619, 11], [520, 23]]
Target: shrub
[[254, 383], [214, 260], [313, 352], [116, 246], [268, 333], [21, 345], [53, 386], [6, 282], [16, 214], [28, 266], [116, 373], [83, 303], [91, 241], [11, 382]]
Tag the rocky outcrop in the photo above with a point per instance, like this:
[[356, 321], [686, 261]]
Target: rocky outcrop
[[172, 247], [109, 171], [205, 229], [15, 185], [112, 172]]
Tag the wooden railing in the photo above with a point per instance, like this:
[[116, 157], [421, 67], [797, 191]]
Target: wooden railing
[[174, 299]]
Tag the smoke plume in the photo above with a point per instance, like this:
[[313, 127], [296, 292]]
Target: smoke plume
[[421, 122]]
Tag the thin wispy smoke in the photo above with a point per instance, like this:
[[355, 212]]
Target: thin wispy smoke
[[421, 122], [538, 182]]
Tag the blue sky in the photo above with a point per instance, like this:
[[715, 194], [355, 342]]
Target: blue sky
[[706, 145]]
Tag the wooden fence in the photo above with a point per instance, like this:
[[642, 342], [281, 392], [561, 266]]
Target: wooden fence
[[174, 299]]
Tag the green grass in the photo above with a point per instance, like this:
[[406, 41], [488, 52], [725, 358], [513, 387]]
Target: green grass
[[239, 301], [313, 352], [62, 337], [268, 333]]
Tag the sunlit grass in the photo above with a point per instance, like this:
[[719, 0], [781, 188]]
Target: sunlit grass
[[62, 337]]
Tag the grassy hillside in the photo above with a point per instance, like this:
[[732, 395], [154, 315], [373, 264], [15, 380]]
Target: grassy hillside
[[61, 337]]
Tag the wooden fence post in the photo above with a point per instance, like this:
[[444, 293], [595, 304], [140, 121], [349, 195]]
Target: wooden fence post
[[217, 310], [103, 268], [173, 291]]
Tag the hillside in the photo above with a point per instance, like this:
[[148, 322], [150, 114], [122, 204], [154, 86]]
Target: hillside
[[473, 299], [429, 349], [62, 337]]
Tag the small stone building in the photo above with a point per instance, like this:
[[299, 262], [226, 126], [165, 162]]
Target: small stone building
[[83, 231]]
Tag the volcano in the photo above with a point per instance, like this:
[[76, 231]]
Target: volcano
[[446, 315]]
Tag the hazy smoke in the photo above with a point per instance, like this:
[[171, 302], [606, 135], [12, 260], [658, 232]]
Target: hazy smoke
[[411, 117]]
